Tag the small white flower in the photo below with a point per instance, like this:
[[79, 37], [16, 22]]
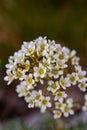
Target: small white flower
[[53, 86], [41, 46], [75, 60], [29, 81], [28, 96], [80, 76], [19, 56], [64, 82], [56, 73], [45, 102], [78, 68], [63, 57], [26, 65], [61, 64], [38, 97], [60, 95], [52, 47], [69, 102], [28, 48], [19, 74], [67, 110], [66, 51], [72, 53], [10, 77], [31, 103], [46, 62], [82, 86], [40, 71], [59, 105], [11, 65], [21, 89], [72, 78], [57, 114]]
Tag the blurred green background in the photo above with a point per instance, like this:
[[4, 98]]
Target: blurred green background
[[64, 21]]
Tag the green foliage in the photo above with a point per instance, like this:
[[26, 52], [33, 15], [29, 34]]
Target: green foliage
[[16, 125], [47, 124], [78, 126], [64, 21]]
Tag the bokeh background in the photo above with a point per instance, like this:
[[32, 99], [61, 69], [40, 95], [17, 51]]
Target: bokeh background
[[24, 20]]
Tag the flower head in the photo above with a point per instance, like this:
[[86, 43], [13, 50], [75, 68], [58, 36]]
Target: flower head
[[45, 71]]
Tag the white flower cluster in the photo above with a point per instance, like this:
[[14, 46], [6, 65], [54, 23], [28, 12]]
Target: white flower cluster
[[45, 70]]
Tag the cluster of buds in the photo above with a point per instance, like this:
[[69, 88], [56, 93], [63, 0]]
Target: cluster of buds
[[45, 70]]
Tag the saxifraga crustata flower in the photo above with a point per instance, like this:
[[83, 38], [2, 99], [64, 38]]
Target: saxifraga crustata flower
[[45, 70]]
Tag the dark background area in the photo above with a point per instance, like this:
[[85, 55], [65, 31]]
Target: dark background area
[[24, 20]]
